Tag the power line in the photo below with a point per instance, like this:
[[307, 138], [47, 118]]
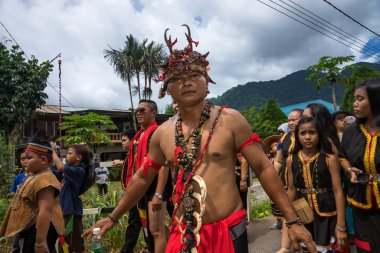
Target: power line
[[40, 70], [363, 45], [311, 27], [324, 20], [336, 8], [332, 33]]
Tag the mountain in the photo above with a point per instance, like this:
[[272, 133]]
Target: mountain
[[291, 89]]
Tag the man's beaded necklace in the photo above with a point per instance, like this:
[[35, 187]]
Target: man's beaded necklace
[[184, 167]]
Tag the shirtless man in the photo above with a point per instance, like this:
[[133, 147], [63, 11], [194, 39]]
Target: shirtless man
[[208, 208]]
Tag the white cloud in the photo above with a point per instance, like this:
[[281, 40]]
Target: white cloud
[[247, 40]]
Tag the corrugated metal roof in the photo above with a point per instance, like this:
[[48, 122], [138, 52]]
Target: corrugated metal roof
[[302, 106], [54, 109]]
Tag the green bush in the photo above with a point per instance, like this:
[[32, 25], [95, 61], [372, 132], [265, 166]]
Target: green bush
[[261, 209], [114, 173], [7, 166], [4, 203]]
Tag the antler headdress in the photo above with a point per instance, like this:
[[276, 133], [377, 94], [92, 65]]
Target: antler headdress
[[181, 61]]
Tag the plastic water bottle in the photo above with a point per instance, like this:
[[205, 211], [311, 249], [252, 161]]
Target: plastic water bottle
[[97, 245]]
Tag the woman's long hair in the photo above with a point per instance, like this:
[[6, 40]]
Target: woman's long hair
[[324, 144], [372, 87]]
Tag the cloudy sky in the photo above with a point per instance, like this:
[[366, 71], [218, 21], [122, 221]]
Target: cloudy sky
[[247, 40]]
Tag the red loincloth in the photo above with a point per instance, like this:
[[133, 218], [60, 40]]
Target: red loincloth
[[215, 237]]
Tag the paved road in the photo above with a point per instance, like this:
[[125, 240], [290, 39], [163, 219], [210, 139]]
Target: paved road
[[261, 239]]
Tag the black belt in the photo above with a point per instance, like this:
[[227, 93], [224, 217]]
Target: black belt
[[312, 190], [238, 229]]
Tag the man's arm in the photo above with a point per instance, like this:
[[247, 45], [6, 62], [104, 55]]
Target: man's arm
[[278, 160], [57, 161], [243, 173], [161, 183], [45, 207], [135, 190]]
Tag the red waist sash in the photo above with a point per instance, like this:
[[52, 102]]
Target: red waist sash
[[215, 237]]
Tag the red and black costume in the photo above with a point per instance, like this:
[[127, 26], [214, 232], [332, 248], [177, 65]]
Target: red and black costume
[[312, 180], [362, 150]]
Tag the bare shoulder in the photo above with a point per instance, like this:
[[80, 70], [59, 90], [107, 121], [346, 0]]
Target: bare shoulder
[[233, 115], [235, 120]]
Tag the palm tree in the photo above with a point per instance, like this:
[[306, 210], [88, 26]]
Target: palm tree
[[154, 55], [137, 63], [359, 72], [122, 61], [328, 70]]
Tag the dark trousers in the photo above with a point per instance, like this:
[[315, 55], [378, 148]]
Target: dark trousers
[[29, 236], [133, 231], [241, 243], [367, 228], [102, 188]]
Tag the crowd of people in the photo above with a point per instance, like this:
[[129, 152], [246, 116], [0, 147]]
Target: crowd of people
[[195, 168]]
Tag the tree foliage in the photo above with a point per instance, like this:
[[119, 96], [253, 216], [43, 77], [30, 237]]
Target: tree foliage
[[266, 121], [134, 61], [22, 84], [89, 128], [169, 109], [7, 168], [358, 73], [327, 70]]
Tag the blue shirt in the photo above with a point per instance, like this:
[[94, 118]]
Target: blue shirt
[[69, 197], [17, 181]]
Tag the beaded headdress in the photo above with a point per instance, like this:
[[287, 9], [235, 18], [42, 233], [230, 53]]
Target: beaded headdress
[[39, 149], [182, 61]]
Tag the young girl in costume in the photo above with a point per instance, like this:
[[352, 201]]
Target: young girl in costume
[[314, 174], [74, 172], [34, 216]]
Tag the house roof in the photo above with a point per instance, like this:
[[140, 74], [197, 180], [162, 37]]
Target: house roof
[[54, 109], [303, 105]]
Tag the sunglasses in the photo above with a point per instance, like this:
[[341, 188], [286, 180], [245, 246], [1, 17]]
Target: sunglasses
[[140, 110]]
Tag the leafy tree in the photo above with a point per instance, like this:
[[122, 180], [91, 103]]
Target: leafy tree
[[328, 70], [358, 73], [22, 84], [89, 128], [154, 55], [267, 120], [122, 61], [169, 109], [7, 168], [249, 114]]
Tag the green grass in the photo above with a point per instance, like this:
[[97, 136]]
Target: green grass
[[261, 209]]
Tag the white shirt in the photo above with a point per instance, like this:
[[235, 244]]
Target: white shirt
[[101, 175]]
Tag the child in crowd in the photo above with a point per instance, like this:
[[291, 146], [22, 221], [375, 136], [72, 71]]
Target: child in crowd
[[34, 205], [269, 146], [74, 172], [314, 174], [20, 177]]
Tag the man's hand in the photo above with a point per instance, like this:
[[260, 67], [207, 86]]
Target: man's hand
[[298, 233], [104, 225], [243, 186], [117, 163], [156, 203]]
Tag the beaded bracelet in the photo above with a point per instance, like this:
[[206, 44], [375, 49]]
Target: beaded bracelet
[[341, 229], [40, 244], [292, 222], [116, 221]]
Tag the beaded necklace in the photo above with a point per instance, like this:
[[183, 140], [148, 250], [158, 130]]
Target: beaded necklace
[[185, 165]]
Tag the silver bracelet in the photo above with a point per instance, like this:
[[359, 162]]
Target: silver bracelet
[[40, 245], [341, 229]]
